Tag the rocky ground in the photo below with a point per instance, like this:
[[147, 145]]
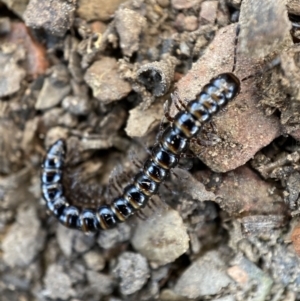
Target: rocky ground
[[97, 73]]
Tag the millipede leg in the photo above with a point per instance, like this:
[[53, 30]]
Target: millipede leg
[[236, 40], [141, 215], [137, 163], [177, 102], [167, 113], [151, 204]]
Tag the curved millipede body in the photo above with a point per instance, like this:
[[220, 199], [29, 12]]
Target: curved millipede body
[[164, 156]]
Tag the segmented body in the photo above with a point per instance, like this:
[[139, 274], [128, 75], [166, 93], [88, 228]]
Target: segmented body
[[164, 156]]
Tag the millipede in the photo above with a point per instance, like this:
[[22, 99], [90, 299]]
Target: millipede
[[165, 155]]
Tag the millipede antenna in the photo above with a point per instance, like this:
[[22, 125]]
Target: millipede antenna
[[236, 40]]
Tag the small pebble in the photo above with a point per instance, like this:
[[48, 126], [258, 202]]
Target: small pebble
[[163, 3], [54, 16], [179, 22], [130, 26], [102, 10], [146, 119], [226, 298], [11, 75], [193, 187], [284, 267], [161, 238], [184, 4], [94, 260], [208, 13], [54, 89], [110, 238], [24, 239], [206, 276], [133, 271], [190, 23], [100, 283], [244, 271], [70, 241], [105, 81], [76, 105], [58, 284]]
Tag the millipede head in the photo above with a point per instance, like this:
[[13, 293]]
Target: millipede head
[[228, 83]]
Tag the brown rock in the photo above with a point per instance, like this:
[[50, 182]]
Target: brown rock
[[36, 61], [129, 25], [179, 22], [243, 128], [242, 192], [190, 23], [105, 81], [141, 122], [184, 4], [54, 16], [97, 9], [296, 239], [208, 13]]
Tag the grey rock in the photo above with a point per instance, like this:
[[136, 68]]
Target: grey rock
[[161, 238], [24, 239], [76, 105], [54, 16], [130, 25], [188, 184], [94, 260], [70, 241], [54, 89], [246, 273], [58, 284], [100, 283], [110, 238], [11, 74], [133, 271], [206, 276], [285, 267]]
